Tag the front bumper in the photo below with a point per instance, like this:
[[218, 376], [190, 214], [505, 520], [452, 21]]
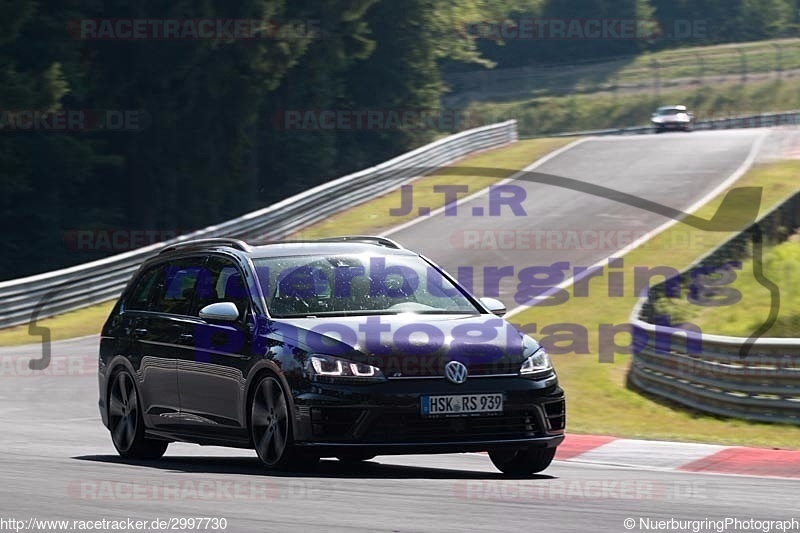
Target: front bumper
[[386, 418], [672, 125]]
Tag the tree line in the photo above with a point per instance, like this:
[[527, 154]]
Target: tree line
[[661, 24], [108, 122]]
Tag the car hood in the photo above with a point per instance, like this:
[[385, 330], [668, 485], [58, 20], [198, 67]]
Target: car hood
[[411, 345]]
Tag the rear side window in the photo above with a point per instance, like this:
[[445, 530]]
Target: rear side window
[[139, 299], [175, 294]]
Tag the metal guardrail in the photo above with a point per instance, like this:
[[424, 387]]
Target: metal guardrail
[[764, 120], [708, 373], [711, 373], [83, 285], [72, 288]]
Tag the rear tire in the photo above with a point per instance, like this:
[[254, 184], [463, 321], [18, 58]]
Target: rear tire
[[125, 421], [522, 462]]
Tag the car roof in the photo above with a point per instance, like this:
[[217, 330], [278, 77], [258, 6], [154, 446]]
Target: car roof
[[347, 245], [678, 107]]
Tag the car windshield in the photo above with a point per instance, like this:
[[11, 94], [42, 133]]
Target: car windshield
[[320, 285], [670, 111]]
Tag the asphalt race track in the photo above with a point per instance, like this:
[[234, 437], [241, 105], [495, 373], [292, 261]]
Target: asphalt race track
[[675, 170], [57, 461]]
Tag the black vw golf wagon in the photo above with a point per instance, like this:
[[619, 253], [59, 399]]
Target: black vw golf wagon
[[347, 347]]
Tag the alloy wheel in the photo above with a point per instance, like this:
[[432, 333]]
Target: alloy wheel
[[270, 421], [123, 412]]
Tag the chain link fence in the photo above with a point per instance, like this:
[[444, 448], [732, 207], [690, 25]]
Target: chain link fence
[[642, 74]]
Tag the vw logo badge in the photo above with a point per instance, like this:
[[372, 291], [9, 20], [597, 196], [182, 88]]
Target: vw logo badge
[[455, 372]]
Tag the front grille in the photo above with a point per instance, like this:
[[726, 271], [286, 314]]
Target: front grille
[[482, 364], [502, 367], [409, 428]]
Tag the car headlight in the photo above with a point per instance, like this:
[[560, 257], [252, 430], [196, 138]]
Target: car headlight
[[329, 368], [536, 363]]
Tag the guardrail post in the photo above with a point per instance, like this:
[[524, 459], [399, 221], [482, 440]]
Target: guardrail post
[[743, 63], [656, 76], [701, 68]]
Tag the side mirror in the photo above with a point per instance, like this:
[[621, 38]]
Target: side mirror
[[495, 306], [223, 311]]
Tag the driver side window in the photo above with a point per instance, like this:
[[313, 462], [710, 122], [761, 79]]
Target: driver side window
[[222, 281]]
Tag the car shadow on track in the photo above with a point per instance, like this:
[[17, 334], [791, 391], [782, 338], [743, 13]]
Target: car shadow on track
[[327, 468]]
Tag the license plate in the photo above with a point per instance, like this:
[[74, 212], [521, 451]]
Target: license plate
[[461, 405]]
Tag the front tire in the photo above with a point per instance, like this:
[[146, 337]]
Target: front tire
[[271, 427], [125, 421], [522, 462]]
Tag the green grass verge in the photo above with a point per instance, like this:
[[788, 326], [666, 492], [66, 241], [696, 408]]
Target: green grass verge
[[781, 264], [369, 217], [78, 323], [598, 400], [552, 114]]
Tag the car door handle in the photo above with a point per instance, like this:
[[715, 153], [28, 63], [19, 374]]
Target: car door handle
[[140, 331], [186, 336]]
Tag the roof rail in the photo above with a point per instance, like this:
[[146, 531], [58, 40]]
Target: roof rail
[[206, 243], [369, 239], [366, 239]]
